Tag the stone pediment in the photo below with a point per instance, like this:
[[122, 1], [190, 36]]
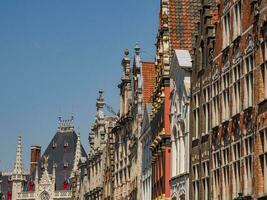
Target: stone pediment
[[45, 179]]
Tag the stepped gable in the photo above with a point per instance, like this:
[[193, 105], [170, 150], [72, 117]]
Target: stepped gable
[[61, 152]]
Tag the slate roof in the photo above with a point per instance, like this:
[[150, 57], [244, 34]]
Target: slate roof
[[61, 151], [183, 18]]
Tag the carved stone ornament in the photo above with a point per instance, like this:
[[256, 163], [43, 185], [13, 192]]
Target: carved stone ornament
[[249, 44], [216, 75], [225, 134], [236, 129], [211, 53], [249, 122], [215, 138], [226, 62], [237, 52], [226, 4]]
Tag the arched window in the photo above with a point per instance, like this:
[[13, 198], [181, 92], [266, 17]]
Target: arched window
[[45, 196], [182, 197], [181, 152], [174, 152]]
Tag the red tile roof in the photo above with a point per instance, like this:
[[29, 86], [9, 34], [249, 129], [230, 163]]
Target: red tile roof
[[148, 76], [183, 16]]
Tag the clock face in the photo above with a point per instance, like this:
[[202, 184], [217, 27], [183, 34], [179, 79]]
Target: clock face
[[45, 196]]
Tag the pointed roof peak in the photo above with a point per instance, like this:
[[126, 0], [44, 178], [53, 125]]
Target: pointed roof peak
[[137, 48], [77, 156], [18, 168], [100, 101]]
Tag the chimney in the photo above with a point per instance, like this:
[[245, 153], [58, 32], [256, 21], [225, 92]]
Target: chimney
[[35, 156]]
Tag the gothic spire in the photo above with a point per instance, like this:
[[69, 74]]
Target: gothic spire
[[100, 102], [78, 154], [126, 65], [18, 168], [137, 49], [137, 59]]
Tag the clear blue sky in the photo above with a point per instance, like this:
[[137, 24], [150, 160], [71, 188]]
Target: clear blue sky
[[55, 55]]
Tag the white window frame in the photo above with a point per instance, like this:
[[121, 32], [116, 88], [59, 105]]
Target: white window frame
[[226, 29], [205, 166], [247, 161], [248, 81], [237, 13], [215, 103], [236, 168], [236, 89], [196, 114], [206, 108]]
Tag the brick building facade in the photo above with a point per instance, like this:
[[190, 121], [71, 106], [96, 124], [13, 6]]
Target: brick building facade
[[176, 28], [228, 138]]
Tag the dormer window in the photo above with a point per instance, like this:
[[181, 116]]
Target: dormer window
[[54, 145], [65, 165], [66, 144], [9, 180], [66, 184]]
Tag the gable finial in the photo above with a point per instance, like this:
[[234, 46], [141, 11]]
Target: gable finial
[[137, 48], [18, 168]]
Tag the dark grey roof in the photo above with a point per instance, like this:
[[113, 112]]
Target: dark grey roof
[[61, 150]]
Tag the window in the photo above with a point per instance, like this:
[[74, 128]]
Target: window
[[237, 19], [236, 89], [263, 159], [206, 108], [196, 181], [225, 97], [205, 180], [196, 114], [175, 153], [249, 93], [225, 173], [216, 175], [215, 103], [248, 147], [226, 30], [236, 153], [45, 196]]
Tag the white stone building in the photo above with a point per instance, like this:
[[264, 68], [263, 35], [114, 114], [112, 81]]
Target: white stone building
[[145, 139], [180, 98], [56, 175], [98, 153]]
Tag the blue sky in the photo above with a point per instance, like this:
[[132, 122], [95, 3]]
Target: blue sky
[[55, 55]]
